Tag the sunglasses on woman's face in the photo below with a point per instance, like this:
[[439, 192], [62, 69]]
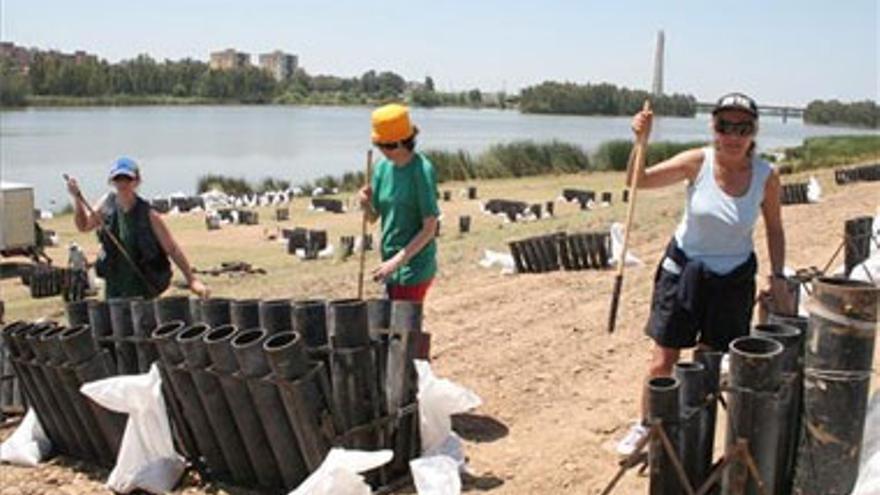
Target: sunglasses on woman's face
[[389, 146], [728, 128]]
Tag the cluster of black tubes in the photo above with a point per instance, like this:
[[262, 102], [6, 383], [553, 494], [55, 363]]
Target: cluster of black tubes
[[257, 391], [862, 173], [794, 193], [575, 251], [796, 395]]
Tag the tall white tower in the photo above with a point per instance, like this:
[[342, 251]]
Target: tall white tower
[[657, 87]]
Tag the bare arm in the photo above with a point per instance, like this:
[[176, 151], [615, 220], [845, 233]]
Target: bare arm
[[173, 249], [772, 212], [402, 257], [683, 166], [84, 220]]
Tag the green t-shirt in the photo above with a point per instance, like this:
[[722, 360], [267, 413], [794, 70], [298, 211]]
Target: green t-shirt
[[403, 197]]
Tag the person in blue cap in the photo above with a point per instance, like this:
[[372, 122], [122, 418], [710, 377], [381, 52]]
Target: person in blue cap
[[143, 270]]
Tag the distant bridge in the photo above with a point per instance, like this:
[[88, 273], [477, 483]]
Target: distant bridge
[[772, 110]]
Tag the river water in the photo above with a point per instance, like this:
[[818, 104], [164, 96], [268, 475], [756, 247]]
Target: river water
[[177, 144]]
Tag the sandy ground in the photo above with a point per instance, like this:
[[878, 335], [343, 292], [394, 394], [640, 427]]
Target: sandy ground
[[557, 389]]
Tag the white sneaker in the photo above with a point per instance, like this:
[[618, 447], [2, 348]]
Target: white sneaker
[[627, 445]]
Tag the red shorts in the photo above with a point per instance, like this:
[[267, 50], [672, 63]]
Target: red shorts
[[415, 292]]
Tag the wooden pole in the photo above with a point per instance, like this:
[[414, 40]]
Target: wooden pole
[[638, 163], [363, 259]]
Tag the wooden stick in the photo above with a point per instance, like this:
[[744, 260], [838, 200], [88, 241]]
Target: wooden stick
[[638, 163], [363, 259]]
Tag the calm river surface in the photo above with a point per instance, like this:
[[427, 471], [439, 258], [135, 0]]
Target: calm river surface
[[177, 144]]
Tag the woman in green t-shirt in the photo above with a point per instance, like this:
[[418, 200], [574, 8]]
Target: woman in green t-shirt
[[402, 194]]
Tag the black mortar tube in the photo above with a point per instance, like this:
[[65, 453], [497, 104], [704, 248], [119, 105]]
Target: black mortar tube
[[78, 347], [254, 367], [192, 420], [123, 332], [213, 348], [348, 323], [711, 361], [837, 374], [143, 317], [217, 408], [173, 308], [306, 397], [77, 312], [245, 313], [355, 393], [21, 359], [216, 312], [67, 391], [90, 363], [195, 310], [275, 316], [663, 406], [692, 401], [56, 397], [310, 321], [406, 316], [378, 315], [102, 329], [753, 410], [791, 339]]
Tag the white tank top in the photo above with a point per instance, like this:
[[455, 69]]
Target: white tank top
[[716, 227]]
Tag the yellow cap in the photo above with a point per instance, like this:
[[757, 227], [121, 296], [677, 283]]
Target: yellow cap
[[391, 124]]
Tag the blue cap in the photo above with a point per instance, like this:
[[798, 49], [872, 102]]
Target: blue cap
[[125, 166]]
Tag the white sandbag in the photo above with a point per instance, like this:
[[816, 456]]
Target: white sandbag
[[28, 445], [617, 247], [868, 482], [146, 460], [814, 190], [436, 475], [439, 399], [497, 258], [339, 474]]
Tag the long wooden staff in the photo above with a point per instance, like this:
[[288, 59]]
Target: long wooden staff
[[638, 163], [363, 259]]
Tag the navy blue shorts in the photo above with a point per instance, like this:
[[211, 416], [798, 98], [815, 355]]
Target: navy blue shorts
[[708, 309]]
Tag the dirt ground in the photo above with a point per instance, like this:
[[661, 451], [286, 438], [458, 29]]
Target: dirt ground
[[558, 390]]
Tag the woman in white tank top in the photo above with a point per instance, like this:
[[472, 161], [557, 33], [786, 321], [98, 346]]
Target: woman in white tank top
[[704, 287]]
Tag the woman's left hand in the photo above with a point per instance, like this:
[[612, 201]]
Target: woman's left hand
[[199, 289], [384, 271], [779, 297]]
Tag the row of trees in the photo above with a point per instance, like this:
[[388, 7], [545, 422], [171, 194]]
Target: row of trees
[[50, 75], [859, 114], [600, 99]]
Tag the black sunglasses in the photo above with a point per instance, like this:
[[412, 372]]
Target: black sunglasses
[[727, 127], [389, 146]]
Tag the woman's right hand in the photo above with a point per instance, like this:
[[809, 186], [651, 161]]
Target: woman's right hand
[[365, 197], [641, 123], [73, 187]]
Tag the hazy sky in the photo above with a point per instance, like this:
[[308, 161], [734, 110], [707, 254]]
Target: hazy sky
[[781, 52]]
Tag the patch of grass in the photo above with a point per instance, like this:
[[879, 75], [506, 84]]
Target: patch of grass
[[831, 151]]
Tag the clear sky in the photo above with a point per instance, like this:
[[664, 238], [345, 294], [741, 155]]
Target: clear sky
[[781, 52]]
